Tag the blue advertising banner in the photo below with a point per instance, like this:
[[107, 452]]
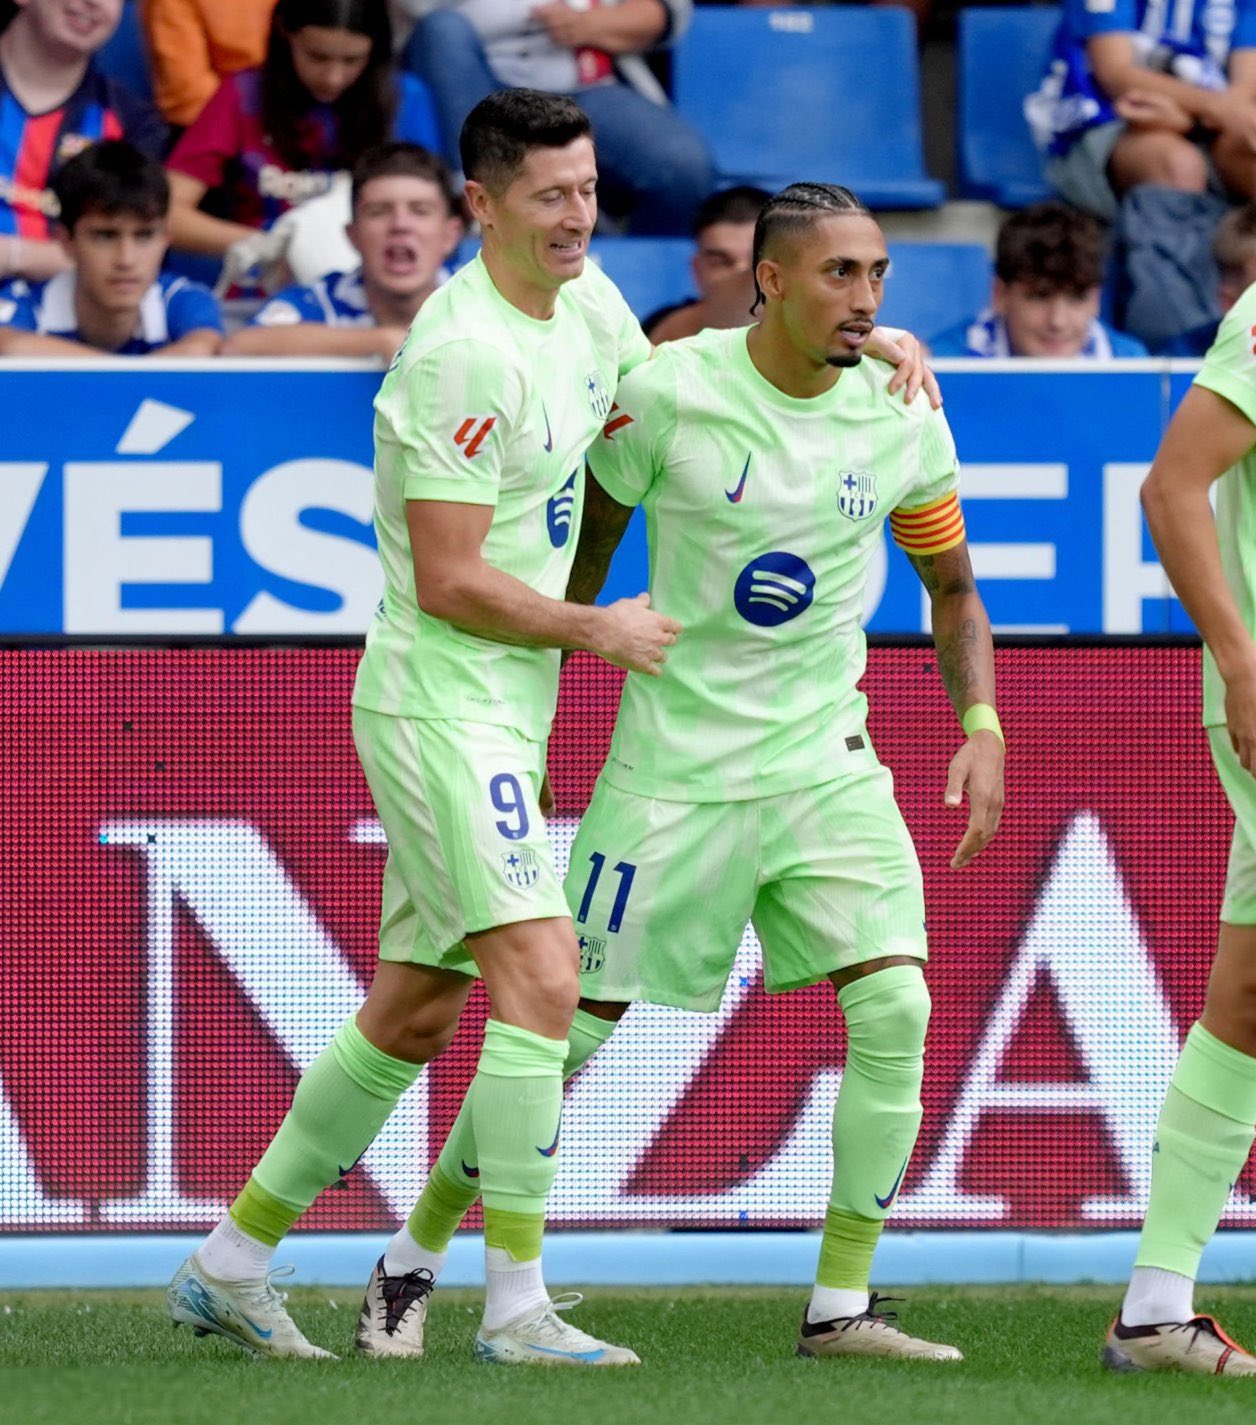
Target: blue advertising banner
[[141, 497]]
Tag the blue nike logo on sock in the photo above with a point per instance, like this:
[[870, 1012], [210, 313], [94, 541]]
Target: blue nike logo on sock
[[469, 1171], [889, 1197], [553, 1147]]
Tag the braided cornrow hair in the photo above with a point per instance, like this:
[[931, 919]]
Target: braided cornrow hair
[[795, 208]]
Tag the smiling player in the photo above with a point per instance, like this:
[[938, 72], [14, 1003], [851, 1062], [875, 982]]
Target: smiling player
[[481, 428], [741, 783]]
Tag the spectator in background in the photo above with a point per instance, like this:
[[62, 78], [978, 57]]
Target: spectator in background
[[195, 44], [113, 201], [406, 223], [53, 103], [275, 136], [650, 160], [1140, 91], [1049, 269], [724, 245], [1234, 248]]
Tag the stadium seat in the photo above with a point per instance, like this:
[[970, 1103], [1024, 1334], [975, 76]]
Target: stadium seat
[[650, 272], [935, 285], [1003, 52], [829, 93], [125, 57]]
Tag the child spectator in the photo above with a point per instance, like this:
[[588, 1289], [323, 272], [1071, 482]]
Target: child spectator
[[723, 247], [1049, 269], [653, 163], [1140, 91], [53, 103], [194, 44], [274, 136], [1234, 249], [406, 223], [113, 202]]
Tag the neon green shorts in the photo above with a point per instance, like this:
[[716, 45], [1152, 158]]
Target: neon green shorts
[[467, 848], [661, 891], [1239, 904]]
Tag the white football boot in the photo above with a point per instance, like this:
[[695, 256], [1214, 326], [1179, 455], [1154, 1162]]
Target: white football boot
[[547, 1340], [393, 1313], [871, 1333], [250, 1313], [1198, 1347]]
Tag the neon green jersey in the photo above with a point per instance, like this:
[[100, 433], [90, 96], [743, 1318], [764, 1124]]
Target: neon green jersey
[[487, 406], [1229, 369], [763, 514]]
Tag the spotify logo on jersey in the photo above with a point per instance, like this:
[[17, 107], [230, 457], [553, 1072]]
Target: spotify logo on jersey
[[773, 588]]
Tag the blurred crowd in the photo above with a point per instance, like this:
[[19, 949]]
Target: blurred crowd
[[300, 163]]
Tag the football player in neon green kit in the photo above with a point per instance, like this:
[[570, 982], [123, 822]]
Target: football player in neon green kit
[[741, 784], [481, 428], [1206, 1125]]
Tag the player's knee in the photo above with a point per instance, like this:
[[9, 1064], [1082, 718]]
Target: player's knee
[[887, 1015], [419, 1036]]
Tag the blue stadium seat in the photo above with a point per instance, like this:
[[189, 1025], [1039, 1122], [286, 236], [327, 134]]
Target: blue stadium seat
[[650, 272], [830, 94], [935, 285], [125, 57], [1003, 52]]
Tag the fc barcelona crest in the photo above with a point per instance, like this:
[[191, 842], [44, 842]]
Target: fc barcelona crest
[[521, 868], [856, 493], [592, 954]]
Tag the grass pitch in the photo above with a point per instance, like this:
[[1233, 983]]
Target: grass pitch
[[712, 1357]]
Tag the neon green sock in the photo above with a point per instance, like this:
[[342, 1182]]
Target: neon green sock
[[846, 1249], [340, 1105], [518, 1233], [454, 1185], [877, 1114], [516, 1103], [1203, 1139]]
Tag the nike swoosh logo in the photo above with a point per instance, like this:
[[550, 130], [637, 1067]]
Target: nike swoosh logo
[[469, 1171], [344, 1172], [889, 1197], [552, 1149], [568, 1355], [734, 496], [549, 439]]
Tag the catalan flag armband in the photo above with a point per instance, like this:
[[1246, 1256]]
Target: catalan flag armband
[[929, 529]]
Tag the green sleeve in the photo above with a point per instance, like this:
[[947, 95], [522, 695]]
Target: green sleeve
[[1229, 368], [627, 457], [938, 464], [448, 413]]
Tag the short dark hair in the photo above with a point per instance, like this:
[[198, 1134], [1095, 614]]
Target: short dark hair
[[111, 177], [501, 130], [1234, 242], [796, 208], [741, 204], [404, 160], [1053, 245]]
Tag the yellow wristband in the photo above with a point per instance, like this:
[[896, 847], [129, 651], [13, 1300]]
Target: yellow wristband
[[981, 717]]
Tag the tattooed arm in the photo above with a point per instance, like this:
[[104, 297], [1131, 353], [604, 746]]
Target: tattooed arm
[[961, 635], [601, 529]]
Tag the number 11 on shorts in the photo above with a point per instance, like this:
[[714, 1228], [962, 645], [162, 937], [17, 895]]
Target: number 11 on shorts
[[626, 871]]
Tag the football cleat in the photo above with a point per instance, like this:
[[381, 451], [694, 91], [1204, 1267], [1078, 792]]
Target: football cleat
[[872, 1333], [250, 1313], [1198, 1346], [393, 1313], [547, 1340]]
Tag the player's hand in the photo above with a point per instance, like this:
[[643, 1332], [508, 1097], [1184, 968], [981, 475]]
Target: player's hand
[[631, 635], [546, 800], [1147, 109], [1240, 717], [904, 351], [978, 769]]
